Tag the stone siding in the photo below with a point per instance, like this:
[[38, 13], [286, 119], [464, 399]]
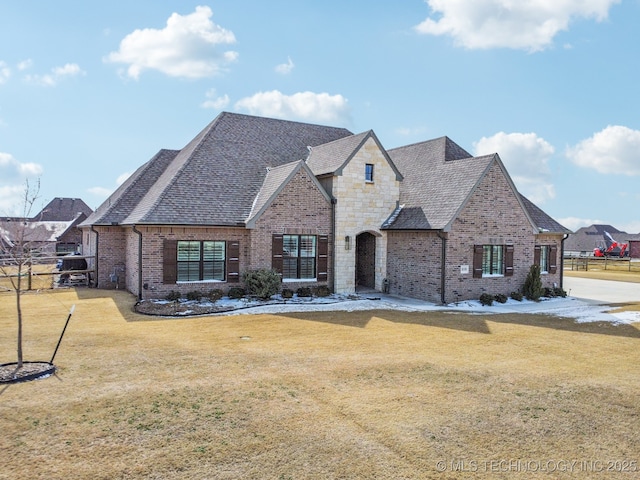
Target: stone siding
[[363, 207]]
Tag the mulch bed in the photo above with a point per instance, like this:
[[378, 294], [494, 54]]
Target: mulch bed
[[173, 309], [29, 371]]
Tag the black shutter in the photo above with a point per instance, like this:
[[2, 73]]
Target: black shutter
[[477, 261], [323, 256], [169, 261], [277, 246], [233, 262], [536, 255], [508, 260], [553, 259]]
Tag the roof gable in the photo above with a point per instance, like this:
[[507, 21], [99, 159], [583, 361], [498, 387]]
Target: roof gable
[[275, 181], [63, 210], [331, 158]]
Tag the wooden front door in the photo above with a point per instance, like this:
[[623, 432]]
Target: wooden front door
[[366, 260]]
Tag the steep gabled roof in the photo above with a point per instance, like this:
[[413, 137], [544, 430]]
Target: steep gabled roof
[[439, 176], [63, 210], [215, 179], [331, 158], [275, 181]]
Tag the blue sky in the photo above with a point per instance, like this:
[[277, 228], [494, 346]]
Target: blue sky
[[89, 91]]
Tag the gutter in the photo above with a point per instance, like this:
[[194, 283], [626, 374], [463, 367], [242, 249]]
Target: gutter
[[139, 261], [443, 265], [96, 253]]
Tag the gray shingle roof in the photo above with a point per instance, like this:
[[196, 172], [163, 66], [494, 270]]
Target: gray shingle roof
[[120, 204], [63, 210], [542, 221], [215, 179], [438, 178]]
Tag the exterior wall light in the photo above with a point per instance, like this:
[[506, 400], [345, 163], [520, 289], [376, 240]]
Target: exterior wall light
[[347, 242]]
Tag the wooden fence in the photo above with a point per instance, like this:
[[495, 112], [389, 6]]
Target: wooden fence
[[42, 273], [602, 263]]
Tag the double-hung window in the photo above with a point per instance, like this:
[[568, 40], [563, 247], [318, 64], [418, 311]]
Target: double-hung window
[[546, 256], [200, 260], [299, 256], [492, 261]]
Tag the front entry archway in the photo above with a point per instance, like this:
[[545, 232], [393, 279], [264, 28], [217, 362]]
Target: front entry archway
[[366, 261]]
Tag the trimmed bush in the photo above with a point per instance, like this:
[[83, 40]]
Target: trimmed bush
[[516, 296], [194, 295], [304, 292], [215, 295], [173, 296], [559, 292], [486, 299], [287, 293], [236, 292], [263, 283], [322, 291], [532, 288], [500, 298]]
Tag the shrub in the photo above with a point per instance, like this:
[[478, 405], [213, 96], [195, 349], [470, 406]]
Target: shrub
[[215, 295], [287, 293], [500, 298], [194, 295], [322, 291], [486, 299], [549, 292], [304, 292], [173, 296], [262, 283], [236, 293], [559, 292], [516, 296], [532, 288]]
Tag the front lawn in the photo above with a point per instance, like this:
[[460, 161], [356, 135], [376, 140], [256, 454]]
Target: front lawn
[[317, 395]]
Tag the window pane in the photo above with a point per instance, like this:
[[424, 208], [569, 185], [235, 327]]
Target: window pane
[[188, 271], [307, 246], [307, 267], [486, 260], [544, 258], [368, 172], [188, 251], [290, 245], [496, 263], [213, 251], [289, 268]]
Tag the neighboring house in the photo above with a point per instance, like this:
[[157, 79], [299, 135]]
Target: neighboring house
[[54, 230], [586, 239], [321, 206]]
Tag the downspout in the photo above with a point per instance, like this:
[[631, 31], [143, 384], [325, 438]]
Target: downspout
[[443, 265], [139, 261], [562, 260], [334, 249], [96, 253]]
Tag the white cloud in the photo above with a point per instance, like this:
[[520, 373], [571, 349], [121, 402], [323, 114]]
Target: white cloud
[[12, 174], [122, 178], [527, 25], [100, 191], [5, 72], [612, 150], [12, 168], [526, 158], [25, 64], [187, 47], [285, 68], [305, 106], [214, 101], [57, 74]]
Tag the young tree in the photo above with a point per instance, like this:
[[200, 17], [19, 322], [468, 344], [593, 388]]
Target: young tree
[[17, 248]]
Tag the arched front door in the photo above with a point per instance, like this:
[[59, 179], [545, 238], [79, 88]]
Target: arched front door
[[366, 260]]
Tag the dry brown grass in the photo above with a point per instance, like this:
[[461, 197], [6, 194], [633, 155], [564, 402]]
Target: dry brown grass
[[379, 394]]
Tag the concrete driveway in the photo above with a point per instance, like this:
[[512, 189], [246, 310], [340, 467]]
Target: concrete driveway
[[606, 291]]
